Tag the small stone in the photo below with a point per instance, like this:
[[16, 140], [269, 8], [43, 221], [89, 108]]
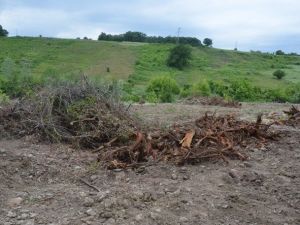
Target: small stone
[[110, 221], [247, 164], [154, 215], [88, 202], [101, 196], [107, 215], [11, 214], [183, 219], [174, 176], [91, 212], [30, 222], [139, 217], [2, 151], [183, 170], [185, 177], [93, 177], [117, 170], [23, 216], [109, 203], [13, 202], [32, 215]]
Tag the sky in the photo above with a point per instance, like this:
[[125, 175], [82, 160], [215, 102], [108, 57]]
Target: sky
[[265, 25]]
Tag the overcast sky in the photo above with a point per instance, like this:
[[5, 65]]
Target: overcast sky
[[265, 25]]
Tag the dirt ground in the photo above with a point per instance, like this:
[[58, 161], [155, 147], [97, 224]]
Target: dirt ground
[[55, 184]]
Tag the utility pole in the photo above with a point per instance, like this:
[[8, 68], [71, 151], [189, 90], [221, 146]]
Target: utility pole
[[235, 46], [178, 32]]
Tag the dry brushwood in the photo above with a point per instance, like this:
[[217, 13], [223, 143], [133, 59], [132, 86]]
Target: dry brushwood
[[215, 101], [79, 114], [208, 138], [293, 117]]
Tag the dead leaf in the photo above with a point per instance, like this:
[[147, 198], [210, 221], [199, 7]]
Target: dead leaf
[[187, 140]]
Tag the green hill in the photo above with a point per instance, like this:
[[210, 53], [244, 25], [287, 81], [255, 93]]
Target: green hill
[[139, 62]]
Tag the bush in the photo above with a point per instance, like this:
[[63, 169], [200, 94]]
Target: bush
[[279, 52], [201, 88], [164, 88], [279, 74], [180, 56]]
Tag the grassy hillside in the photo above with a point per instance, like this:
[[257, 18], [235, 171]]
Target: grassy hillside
[[140, 62]]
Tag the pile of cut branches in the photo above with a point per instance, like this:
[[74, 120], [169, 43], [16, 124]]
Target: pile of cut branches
[[293, 117], [79, 114], [208, 138], [217, 101]]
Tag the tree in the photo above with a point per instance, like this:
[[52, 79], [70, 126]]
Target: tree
[[3, 32], [279, 74], [208, 42], [180, 56], [134, 36], [279, 52]]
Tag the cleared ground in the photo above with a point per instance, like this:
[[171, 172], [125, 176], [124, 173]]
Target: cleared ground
[[55, 184]]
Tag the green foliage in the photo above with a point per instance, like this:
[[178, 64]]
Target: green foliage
[[279, 52], [163, 88], [279, 74], [202, 88], [3, 97], [3, 32], [135, 36], [180, 56], [208, 42]]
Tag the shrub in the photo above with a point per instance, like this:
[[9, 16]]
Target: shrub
[[279, 52], [180, 56], [3, 97], [164, 88], [279, 74], [202, 88]]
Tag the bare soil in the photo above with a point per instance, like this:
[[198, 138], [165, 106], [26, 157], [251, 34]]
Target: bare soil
[[55, 184]]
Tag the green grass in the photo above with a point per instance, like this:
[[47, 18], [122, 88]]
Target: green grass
[[64, 57], [139, 62]]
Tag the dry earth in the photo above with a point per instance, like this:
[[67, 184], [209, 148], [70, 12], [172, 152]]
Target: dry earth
[[55, 184]]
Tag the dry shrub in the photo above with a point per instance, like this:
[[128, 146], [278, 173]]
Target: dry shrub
[[74, 113]]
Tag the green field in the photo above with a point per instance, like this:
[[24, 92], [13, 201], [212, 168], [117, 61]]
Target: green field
[[139, 62]]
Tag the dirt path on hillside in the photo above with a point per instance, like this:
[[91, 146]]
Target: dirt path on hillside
[[55, 184]]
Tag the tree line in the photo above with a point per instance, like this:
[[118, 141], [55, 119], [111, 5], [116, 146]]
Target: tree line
[[135, 36]]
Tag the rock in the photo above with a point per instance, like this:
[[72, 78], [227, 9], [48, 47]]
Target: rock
[[88, 202], [174, 176], [185, 177], [183, 170], [233, 173], [110, 221], [154, 215], [107, 215], [29, 222], [247, 164], [2, 151], [101, 196], [183, 219], [139, 217], [91, 212], [93, 177], [109, 203], [11, 214], [23, 216], [13, 202]]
